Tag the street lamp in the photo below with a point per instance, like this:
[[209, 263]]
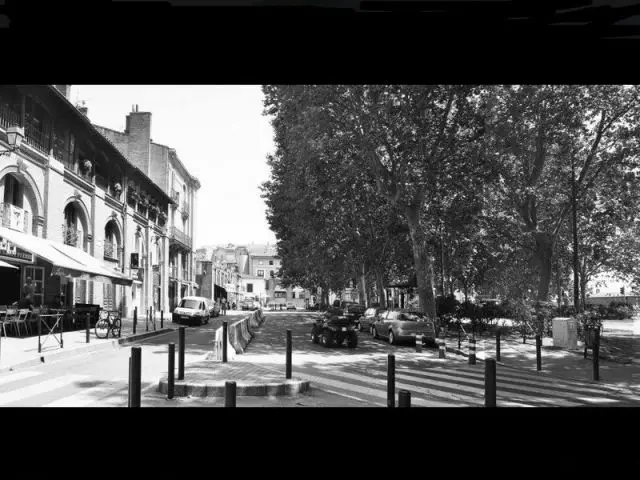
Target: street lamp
[[15, 135]]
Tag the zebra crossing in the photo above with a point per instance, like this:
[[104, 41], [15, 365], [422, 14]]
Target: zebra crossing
[[32, 388], [464, 387]]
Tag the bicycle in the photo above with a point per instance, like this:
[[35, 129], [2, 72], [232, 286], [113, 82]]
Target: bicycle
[[109, 321]]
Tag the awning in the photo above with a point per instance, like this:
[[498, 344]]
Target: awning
[[66, 260], [7, 265]]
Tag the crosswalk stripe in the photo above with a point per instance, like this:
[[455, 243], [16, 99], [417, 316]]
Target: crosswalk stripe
[[39, 388], [509, 388], [18, 376], [379, 394], [83, 398], [503, 379], [412, 387]]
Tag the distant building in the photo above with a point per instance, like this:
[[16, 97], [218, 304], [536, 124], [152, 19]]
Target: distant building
[[256, 267]]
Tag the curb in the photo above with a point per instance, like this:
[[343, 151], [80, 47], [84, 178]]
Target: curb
[[62, 354], [289, 387]]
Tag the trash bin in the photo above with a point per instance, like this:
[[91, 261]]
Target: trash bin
[[565, 333]]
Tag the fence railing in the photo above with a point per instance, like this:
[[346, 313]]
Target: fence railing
[[8, 117], [37, 139], [15, 218], [70, 235]]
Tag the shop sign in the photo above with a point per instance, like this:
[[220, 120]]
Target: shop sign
[[9, 251]]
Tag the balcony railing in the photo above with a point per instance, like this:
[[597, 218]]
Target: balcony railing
[[175, 195], [37, 139], [8, 117], [14, 217], [180, 237], [186, 211], [111, 251], [70, 235]]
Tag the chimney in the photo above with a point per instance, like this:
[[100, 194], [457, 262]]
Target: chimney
[[83, 109], [64, 89], [139, 139]]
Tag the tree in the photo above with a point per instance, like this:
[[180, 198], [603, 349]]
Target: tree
[[535, 132]]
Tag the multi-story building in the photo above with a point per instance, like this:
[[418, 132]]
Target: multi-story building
[[217, 275], [174, 278], [84, 222], [257, 267]]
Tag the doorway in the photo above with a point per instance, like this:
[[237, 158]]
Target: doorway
[[9, 286]]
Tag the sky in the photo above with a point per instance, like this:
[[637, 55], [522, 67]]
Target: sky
[[219, 134]]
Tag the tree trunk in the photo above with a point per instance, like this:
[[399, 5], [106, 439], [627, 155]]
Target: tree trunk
[[559, 283], [583, 286], [422, 263], [574, 228], [544, 257], [364, 298], [442, 275], [382, 296]]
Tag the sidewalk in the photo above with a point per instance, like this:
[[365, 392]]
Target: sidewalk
[[21, 352], [555, 361]]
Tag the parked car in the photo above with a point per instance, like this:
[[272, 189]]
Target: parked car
[[403, 325], [291, 306], [366, 320], [192, 310], [331, 329]]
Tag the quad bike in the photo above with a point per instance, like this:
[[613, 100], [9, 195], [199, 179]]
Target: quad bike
[[333, 329]]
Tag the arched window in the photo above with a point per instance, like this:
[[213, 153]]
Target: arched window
[[72, 234], [111, 241]]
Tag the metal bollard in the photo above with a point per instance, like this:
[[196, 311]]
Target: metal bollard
[[230, 394], [391, 381], [161, 318], [498, 345], [596, 356], [87, 324], [146, 323], [153, 319], [181, 353], [225, 334], [39, 334], [288, 358], [404, 399], [442, 347], [472, 351], [418, 343], [490, 383], [135, 319], [135, 388], [172, 370], [538, 353]]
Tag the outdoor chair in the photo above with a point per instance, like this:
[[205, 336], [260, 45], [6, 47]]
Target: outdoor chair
[[21, 319], [9, 319]]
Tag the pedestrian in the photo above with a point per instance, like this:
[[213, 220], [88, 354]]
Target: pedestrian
[[233, 306], [224, 306], [28, 294]]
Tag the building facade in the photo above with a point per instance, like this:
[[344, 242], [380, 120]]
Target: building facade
[[253, 271], [173, 262], [80, 219]]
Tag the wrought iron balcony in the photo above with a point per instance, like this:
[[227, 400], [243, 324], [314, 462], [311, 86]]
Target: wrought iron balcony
[[175, 196], [182, 238], [37, 139], [112, 251], [70, 235], [15, 218], [8, 117]]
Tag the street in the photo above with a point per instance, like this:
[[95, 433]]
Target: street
[[339, 376]]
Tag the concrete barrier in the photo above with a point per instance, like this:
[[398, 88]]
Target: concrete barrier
[[231, 352]]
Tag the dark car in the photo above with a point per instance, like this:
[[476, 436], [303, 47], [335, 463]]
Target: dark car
[[333, 329], [368, 317], [403, 325]]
